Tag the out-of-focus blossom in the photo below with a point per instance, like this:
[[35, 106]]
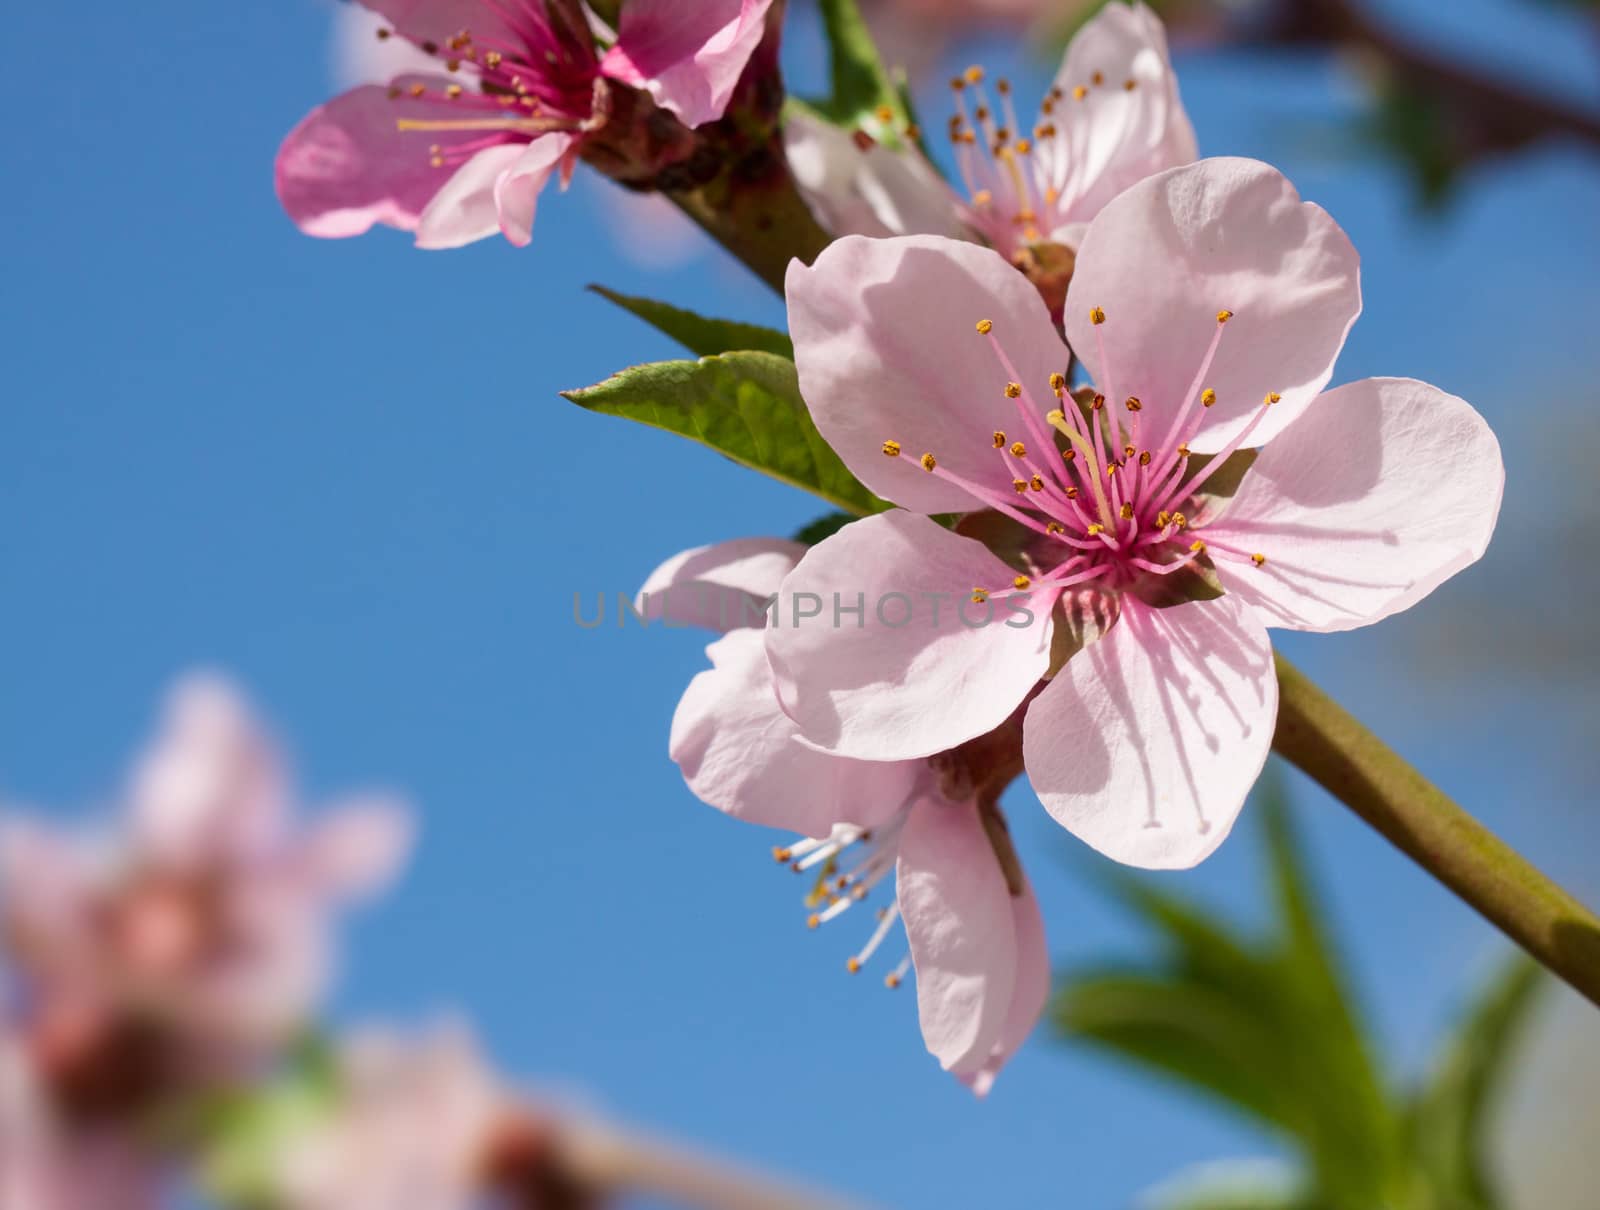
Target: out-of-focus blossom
[[976, 942], [413, 1125], [202, 913], [1111, 118], [1209, 304], [48, 1162], [465, 151]]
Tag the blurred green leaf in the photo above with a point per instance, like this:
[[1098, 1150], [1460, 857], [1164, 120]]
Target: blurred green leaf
[[1450, 1112], [823, 528], [862, 86], [701, 336], [745, 405]]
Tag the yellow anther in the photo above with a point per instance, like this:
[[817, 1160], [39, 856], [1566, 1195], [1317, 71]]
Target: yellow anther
[[1112, 468], [853, 965], [1054, 417], [1023, 147], [1002, 86], [453, 92], [1271, 398], [1013, 389], [1258, 559], [1097, 78], [493, 59], [1144, 457], [1021, 583], [1127, 451], [1224, 316], [1096, 315], [813, 920], [1163, 519], [1132, 403], [884, 114], [1069, 454], [1072, 493], [1094, 529], [1036, 483], [436, 161], [385, 34], [891, 980], [1018, 450], [957, 83], [781, 855], [418, 90], [999, 439], [985, 326], [1198, 547], [980, 595], [1058, 382], [1183, 450], [1054, 527], [974, 74], [1126, 512], [891, 448], [1019, 486], [1208, 397], [929, 462], [1098, 402], [1130, 85], [1079, 93], [1180, 520]]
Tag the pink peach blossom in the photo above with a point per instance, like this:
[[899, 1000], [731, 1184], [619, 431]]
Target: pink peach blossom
[[202, 905], [982, 973], [1111, 118], [459, 154], [1209, 305]]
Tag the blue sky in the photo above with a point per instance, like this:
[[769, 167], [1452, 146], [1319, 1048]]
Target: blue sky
[[341, 473]]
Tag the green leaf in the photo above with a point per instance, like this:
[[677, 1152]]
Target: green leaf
[[1451, 1112], [861, 84], [823, 528], [701, 336], [746, 406]]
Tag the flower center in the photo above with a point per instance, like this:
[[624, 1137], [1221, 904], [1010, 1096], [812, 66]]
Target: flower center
[[848, 863], [536, 76], [1109, 500], [1016, 180]]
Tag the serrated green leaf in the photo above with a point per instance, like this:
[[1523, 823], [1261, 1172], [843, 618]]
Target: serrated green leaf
[[1451, 1111], [745, 405], [702, 336]]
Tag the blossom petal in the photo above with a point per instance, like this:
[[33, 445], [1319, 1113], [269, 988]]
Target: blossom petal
[[1383, 490], [358, 848], [1146, 743], [740, 752], [1164, 257], [920, 669], [1114, 135], [687, 54], [720, 587], [859, 187], [961, 928], [516, 192], [885, 341], [467, 209], [1029, 993], [347, 165]]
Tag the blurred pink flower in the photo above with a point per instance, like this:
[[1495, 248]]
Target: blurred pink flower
[[1209, 304], [458, 155], [1111, 118], [48, 1164], [981, 969], [413, 1127], [203, 906]]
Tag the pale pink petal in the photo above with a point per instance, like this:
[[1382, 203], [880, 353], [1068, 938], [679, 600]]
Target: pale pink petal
[[357, 848], [1383, 490], [740, 752], [687, 54], [212, 787], [1166, 256], [960, 925], [347, 165], [886, 341], [465, 209], [720, 587], [1146, 743], [516, 192], [857, 186], [1114, 136], [1029, 994], [921, 668]]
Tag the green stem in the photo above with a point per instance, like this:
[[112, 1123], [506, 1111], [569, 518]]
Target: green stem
[[1361, 771]]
